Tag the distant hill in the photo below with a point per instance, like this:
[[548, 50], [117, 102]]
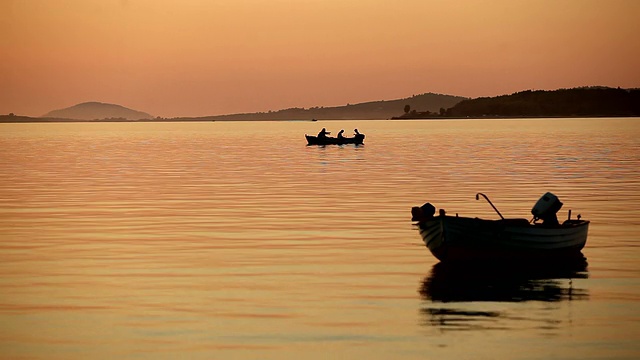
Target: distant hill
[[577, 102], [362, 111], [585, 101], [97, 111]]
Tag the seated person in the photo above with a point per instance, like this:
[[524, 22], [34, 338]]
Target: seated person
[[323, 133]]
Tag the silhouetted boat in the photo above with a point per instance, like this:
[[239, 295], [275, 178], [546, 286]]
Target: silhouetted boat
[[451, 238], [314, 140]]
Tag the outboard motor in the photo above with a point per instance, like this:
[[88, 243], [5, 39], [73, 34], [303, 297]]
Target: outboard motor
[[546, 209], [425, 212]]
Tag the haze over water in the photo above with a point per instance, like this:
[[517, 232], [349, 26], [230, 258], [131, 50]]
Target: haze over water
[[235, 240]]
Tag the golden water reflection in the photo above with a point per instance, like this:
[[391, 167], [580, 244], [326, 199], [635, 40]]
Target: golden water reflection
[[236, 240], [454, 291]]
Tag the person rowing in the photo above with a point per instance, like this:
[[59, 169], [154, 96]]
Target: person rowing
[[323, 133]]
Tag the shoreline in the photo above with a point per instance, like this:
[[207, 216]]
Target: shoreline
[[6, 119]]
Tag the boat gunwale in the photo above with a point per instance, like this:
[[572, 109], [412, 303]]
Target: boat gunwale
[[515, 237]]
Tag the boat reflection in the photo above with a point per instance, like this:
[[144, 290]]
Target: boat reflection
[[505, 282], [473, 283]]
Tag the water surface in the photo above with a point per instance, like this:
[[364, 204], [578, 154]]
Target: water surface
[[236, 240]]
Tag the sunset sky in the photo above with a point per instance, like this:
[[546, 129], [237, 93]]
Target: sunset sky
[[208, 57]]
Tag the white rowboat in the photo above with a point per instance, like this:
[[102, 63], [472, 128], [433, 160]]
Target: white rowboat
[[464, 238]]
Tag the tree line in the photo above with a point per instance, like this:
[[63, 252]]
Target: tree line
[[576, 102]]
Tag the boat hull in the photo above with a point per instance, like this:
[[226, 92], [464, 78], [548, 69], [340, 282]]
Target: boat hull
[[457, 238], [314, 140]]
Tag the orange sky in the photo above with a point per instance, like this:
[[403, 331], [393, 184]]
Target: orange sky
[[208, 57]]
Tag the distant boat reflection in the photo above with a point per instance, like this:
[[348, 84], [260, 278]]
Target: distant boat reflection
[[497, 282]]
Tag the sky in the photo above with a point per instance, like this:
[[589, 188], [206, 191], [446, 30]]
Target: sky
[[175, 58]]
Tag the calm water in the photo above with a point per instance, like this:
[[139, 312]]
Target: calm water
[[220, 240]]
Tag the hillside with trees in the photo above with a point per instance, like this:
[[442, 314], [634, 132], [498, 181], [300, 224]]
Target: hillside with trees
[[577, 102], [373, 110]]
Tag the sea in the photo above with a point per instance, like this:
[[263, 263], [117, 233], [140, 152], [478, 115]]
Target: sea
[[236, 240]]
